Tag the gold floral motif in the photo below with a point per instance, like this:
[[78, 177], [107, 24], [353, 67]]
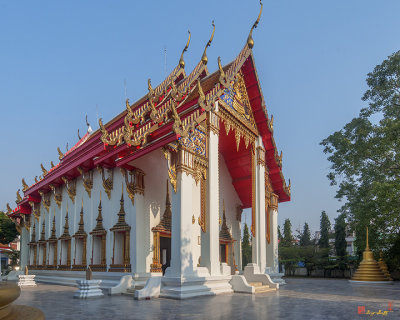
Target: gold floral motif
[[70, 185], [87, 179], [107, 182]]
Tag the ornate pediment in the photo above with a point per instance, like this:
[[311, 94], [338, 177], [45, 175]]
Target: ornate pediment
[[236, 100]]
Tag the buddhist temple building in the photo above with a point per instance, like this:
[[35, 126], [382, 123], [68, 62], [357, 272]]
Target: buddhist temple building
[[190, 155]]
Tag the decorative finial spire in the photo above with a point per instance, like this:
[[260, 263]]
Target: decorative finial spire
[[24, 185], [250, 41], [181, 61], [367, 248], [204, 57], [60, 154]]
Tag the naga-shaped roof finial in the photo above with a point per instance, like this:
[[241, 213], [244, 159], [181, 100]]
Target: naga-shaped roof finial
[[24, 185], [250, 41], [181, 61], [204, 57]]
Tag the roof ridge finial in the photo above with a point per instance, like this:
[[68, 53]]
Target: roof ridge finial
[[181, 61], [204, 57], [250, 41]]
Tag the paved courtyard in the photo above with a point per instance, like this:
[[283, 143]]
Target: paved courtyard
[[299, 299]]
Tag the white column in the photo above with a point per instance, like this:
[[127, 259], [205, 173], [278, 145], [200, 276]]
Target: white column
[[210, 238], [272, 246], [259, 241], [24, 248], [139, 231], [181, 246]]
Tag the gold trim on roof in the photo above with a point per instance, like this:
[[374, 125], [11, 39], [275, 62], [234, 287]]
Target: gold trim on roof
[[250, 41], [24, 185], [204, 58], [181, 61]]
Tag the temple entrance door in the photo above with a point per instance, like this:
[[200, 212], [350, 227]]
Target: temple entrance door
[[165, 252]]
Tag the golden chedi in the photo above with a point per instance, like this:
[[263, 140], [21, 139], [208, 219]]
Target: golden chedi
[[369, 269], [10, 292], [383, 266]]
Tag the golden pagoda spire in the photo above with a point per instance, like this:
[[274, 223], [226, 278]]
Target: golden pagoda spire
[[81, 223], [66, 225], [42, 234], [181, 61], [204, 57], [250, 41], [369, 269]]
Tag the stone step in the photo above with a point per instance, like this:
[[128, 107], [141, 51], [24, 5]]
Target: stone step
[[264, 289], [256, 284], [131, 291]]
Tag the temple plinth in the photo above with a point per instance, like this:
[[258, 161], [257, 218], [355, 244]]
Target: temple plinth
[[369, 269]]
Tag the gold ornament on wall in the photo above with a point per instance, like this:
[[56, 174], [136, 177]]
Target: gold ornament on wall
[[70, 185], [87, 178], [45, 200], [107, 182], [57, 194]]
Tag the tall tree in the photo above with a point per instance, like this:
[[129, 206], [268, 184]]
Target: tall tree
[[279, 233], [340, 235], [365, 159], [287, 234], [305, 239], [325, 226], [8, 232], [246, 246]]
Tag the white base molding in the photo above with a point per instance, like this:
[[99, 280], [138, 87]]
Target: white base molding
[[240, 284], [151, 289], [197, 284], [252, 274], [88, 289], [275, 276], [26, 280], [124, 284], [70, 278]]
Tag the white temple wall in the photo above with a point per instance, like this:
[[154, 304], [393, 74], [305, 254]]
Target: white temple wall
[[24, 255], [154, 166], [232, 201]]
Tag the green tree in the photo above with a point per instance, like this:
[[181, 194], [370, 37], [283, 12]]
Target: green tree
[[8, 232], [279, 233], [246, 246], [325, 226], [305, 238], [340, 235], [287, 234], [365, 160]]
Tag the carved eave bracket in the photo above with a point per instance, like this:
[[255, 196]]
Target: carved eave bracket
[[134, 181], [45, 200], [107, 182], [171, 157], [87, 178], [57, 191], [71, 188], [35, 210]]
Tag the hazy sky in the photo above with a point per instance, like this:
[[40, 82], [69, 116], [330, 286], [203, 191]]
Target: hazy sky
[[59, 60]]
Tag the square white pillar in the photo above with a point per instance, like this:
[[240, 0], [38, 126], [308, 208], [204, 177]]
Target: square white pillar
[[181, 244], [210, 238], [272, 246]]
